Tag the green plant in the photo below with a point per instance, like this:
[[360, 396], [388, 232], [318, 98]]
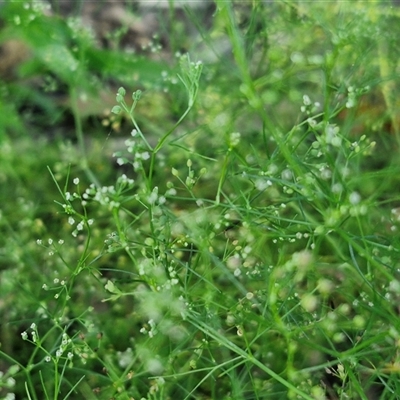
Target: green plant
[[246, 251]]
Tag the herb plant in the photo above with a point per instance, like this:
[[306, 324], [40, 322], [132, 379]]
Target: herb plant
[[228, 230]]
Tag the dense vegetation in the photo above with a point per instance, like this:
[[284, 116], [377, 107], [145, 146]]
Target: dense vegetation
[[209, 210]]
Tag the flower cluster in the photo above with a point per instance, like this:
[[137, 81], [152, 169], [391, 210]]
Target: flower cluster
[[8, 381], [108, 196], [65, 343], [135, 148], [150, 328], [34, 334], [308, 106], [52, 246], [59, 352]]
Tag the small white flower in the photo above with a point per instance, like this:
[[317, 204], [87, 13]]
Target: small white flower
[[71, 221], [47, 359], [312, 122], [306, 100], [24, 335], [262, 184], [354, 198], [287, 174], [76, 181], [234, 139], [33, 325], [161, 200], [152, 198], [171, 192]]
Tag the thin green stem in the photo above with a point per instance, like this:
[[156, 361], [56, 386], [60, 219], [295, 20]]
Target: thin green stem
[[222, 177], [81, 142], [223, 341]]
